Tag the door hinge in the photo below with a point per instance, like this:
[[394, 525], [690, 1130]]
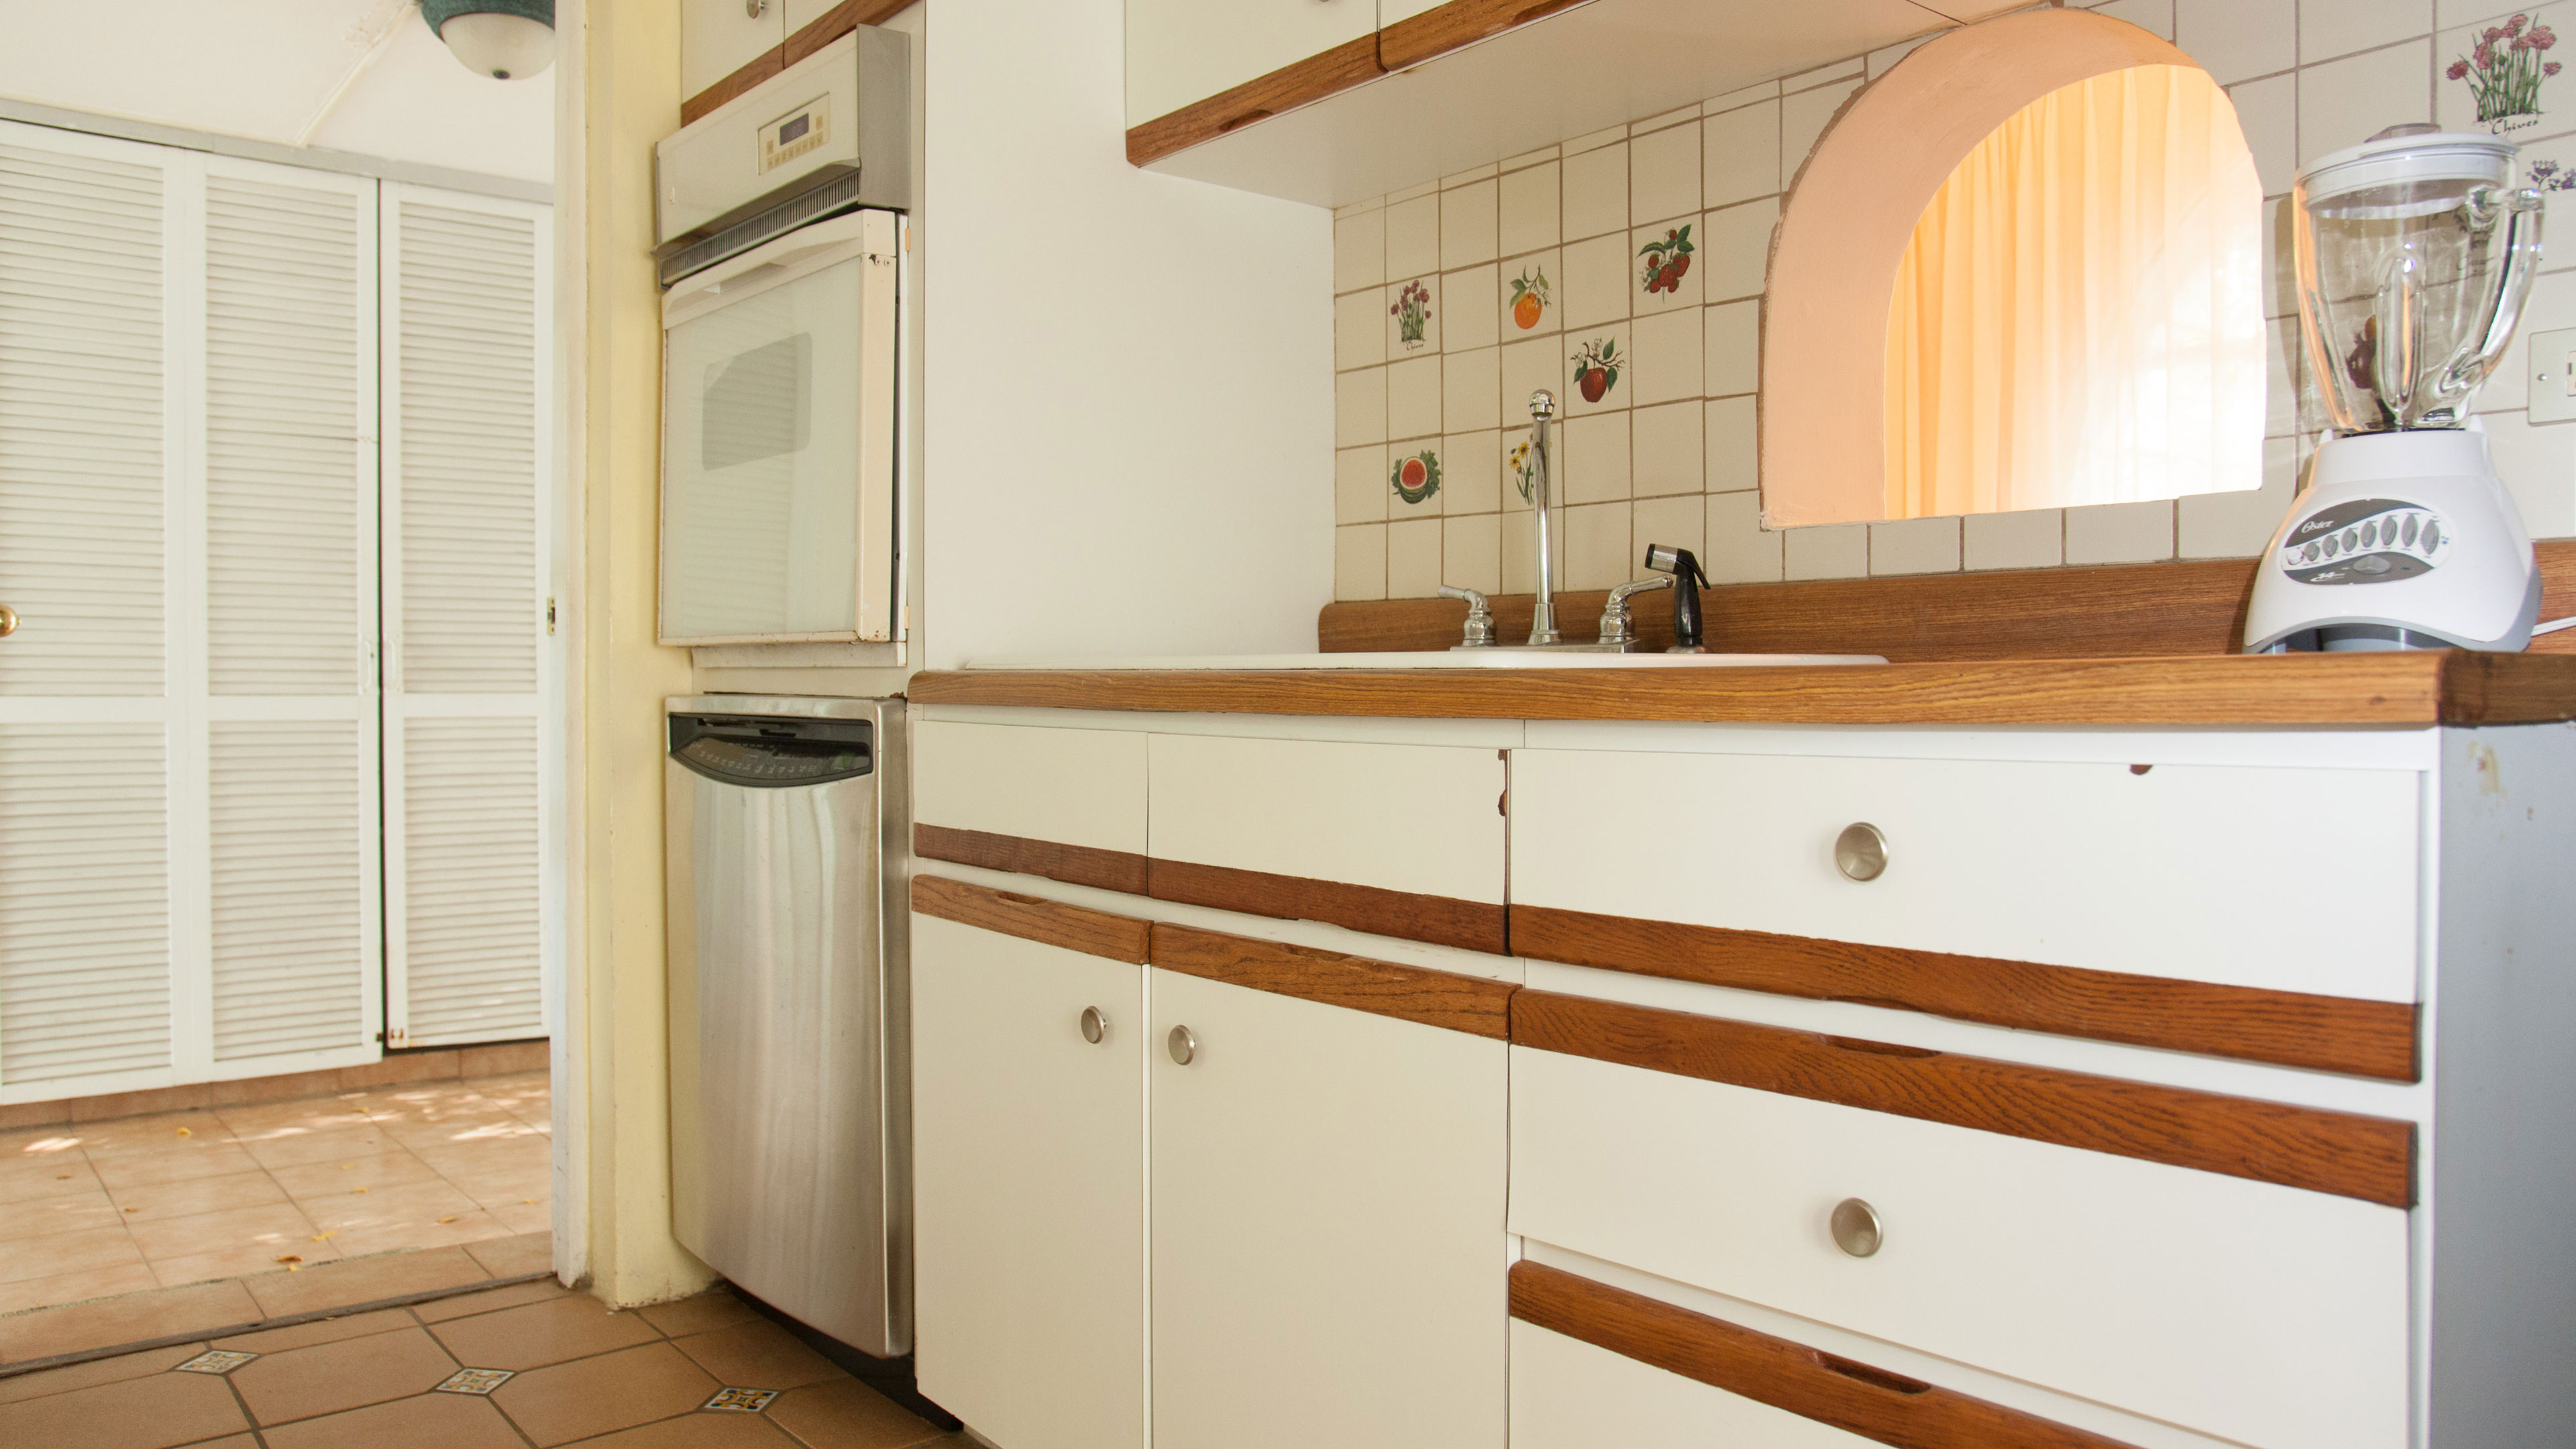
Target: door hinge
[[550, 614]]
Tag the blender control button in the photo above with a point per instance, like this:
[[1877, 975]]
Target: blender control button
[[2333, 545], [2370, 534], [2351, 540], [2432, 538], [2409, 535], [2311, 554], [2374, 564]]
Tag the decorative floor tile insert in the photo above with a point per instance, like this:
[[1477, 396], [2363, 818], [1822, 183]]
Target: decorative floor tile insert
[[474, 1381], [741, 1401], [214, 1361]]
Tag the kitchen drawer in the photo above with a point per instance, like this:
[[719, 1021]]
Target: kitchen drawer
[[1398, 840], [1064, 803], [1567, 1394], [2287, 880], [2270, 1315]]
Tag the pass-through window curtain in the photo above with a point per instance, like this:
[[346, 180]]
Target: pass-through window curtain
[[2078, 317]]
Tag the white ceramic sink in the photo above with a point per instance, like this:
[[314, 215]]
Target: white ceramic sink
[[1499, 658]]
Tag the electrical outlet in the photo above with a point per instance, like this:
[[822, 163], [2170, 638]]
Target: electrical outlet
[[2552, 373]]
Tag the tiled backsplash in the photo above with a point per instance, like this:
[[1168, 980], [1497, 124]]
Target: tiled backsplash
[[1454, 300]]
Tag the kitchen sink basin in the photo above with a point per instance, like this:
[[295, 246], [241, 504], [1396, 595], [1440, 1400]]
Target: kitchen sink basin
[[1496, 658]]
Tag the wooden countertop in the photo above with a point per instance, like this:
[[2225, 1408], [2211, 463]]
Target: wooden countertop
[[2434, 687]]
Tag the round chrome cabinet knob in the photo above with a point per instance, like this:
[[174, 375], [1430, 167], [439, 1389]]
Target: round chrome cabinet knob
[[8, 621], [1095, 1027], [1856, 1228], [1860, 852], [1184, 1046]]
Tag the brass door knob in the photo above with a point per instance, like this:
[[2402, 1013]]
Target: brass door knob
[[1183, 1045], [8, 621], [1860, 852], [1856, 1228], [1095, 1026]]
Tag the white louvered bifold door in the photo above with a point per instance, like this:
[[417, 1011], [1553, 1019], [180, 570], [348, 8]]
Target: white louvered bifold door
[[469, 766]]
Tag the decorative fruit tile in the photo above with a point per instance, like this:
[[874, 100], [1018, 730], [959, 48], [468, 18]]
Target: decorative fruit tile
[[741, 1401], [474, 1381], [218, 1361], [1417, 476]]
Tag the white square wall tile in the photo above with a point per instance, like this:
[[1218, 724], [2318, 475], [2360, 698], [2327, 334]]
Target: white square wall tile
[[1803, 119], [2120, 533], [1472, 173], [1471, 468], [1883, 60], [1741, 153], [1359, 251], [2156, 17], [1412, 398], [1471, 389], [1468, 219], [1592, 460], [1732, 351], [2327, 30], [1359, 407], [1668, 357], [2239, 524], [2267, 111], [1728, 433], [1468, 325], [2034, 538], [1596, 192], [1596, 280], [1740, 550], [1735, 248], [1471, 553], [1528, 367], [1413, 558], [2345, 102], [1359, 485], [1828, 551], [1663, 175], [1596, 552], [1678, 522], [2238, 40], [1359, 562], [2538, 464], [1413, 237], [1914, 546], [1528, 219], [1664, 444], [1359, 329], [1520, 555]]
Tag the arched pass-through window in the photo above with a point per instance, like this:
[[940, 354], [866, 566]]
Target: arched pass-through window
[[2022, 271]]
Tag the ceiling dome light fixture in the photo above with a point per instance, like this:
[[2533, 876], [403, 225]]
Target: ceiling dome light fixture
[[504, 39]]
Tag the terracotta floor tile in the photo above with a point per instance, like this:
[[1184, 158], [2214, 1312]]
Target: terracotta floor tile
[[55, 1254], [229, 1441], [148, 1413], [703, 1313], [523, 1218], [151, 1134], [482, 1130], [121, 1170], [289, 1148], [700, 1431], [409, 1203], [384, 1169], [277, 1226], [245, 1260], [32, 1178], [509, 1186], [554, 1331], [511, 1257], [843, 1413], [327, 1330], [757, 1355], [189, 1197], [82, 1287], [130, 1318], [20, 1141], [66, 1213], [352, 1373], [100, 1371], [598, 1395], [303, 1114], [363, 1280], [490, 1301], [432, 1421]]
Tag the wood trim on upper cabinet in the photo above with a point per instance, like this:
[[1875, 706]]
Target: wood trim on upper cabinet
[[838, 21], [1109, 870], [1032, 918], [2286, 1028], [2370, 1158], [1476, 1005], [1354, 62], [1444, 28], [769, 64], [1441, 920], [1808, 1382]]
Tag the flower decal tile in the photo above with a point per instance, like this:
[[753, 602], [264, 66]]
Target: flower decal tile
[[1663, 262], [478, 1382], [740, 1401], [1524, 471], [1416, 478], [1412, 314], [217, 1361], [1596, 368], [2504, 71], [2550, 176], [1529, 298]]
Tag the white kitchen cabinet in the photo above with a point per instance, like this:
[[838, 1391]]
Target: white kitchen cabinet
[[1063, 786], [1328, 1250], [1180, 51], [1568, 1394], [719, 37], [801, 13], [1028, 1188], [1391, 11]]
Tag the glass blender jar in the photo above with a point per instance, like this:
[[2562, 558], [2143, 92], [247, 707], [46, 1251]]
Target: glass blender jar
[[2415, 252]]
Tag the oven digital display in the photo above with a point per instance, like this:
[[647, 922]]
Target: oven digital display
[[802, 130]]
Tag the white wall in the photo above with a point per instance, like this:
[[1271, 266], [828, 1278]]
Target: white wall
[[1129, 393]]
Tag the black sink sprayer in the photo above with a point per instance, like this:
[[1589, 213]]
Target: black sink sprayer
[[1687, 582]]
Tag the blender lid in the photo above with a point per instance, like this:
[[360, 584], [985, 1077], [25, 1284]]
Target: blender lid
[[2407, 154]]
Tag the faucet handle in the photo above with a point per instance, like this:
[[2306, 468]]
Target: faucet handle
[[1480, 617], [1616, 625]]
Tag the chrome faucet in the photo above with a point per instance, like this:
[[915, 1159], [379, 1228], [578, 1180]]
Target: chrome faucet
[[1543, 630]]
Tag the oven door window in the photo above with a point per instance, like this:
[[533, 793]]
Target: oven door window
[[760, 464]]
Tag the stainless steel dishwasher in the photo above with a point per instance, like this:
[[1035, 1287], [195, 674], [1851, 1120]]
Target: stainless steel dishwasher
[[790, 1101]]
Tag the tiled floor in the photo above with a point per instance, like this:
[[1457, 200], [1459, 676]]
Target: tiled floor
[[509, 1368], [118, 1207]]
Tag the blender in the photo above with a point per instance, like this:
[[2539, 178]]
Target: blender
[[2415, 252]]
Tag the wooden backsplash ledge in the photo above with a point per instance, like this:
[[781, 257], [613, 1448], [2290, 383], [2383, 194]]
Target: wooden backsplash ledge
[[2115, 611]]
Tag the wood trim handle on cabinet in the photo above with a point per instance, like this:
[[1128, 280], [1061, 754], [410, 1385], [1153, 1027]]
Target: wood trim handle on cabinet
[[1032, 918], [1441, 920], [1353, 62], [1475, 1005], [1109, 870]]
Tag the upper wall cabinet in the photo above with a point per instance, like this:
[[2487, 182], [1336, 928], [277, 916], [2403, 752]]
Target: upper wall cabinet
[[719, 37], [1181, 52]]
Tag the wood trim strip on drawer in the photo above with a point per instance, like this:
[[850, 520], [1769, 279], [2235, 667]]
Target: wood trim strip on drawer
[[838, 21], [2286, 1028], [1376, 910], [1049, 923], [1285, 89], [1475, 1005], [1110, 870], [1808, 1382], [2370, 1158], [1444, 28], [769, 63]]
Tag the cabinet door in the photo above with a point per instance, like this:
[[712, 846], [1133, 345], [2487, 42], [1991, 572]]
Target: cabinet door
[[1028, 1189], [719, 37], [1567, 1394], [1328, 1252], [1391, 11], [1180, 51], [801, 13]]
